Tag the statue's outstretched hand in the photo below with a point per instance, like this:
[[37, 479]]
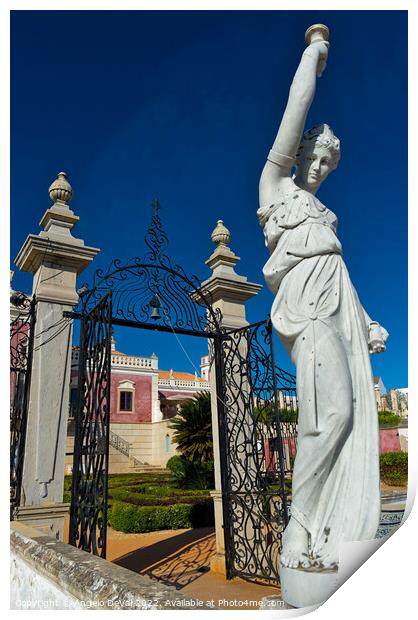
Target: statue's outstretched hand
[[320, 49], [377, 338]]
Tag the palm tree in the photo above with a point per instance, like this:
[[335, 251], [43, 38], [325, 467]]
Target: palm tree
[[193, 429]]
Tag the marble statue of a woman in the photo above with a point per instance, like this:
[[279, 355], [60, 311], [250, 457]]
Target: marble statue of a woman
[[328, 335]]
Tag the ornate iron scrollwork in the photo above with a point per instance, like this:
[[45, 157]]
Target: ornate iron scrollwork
[[141, 283], [253, 471], [21, 349], [88, 519]]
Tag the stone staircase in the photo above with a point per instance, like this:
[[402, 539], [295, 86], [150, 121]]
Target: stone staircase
[[133, 464]]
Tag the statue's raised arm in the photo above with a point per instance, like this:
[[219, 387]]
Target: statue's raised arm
[[282, 156]]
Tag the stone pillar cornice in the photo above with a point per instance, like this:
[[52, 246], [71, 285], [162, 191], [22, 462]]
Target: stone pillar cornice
[[58, 214], [223, 257], [229, 289], [38, 249]]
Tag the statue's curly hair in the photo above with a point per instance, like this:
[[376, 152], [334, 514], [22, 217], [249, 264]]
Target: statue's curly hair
[[324, 136]]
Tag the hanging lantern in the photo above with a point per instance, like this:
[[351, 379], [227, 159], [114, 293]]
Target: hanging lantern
[[155, 305]]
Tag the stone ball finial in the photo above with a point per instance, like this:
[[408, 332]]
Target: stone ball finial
[[221, 235], [60, 190]]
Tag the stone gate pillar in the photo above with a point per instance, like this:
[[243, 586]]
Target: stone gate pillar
[[55, 258], [229, 292]]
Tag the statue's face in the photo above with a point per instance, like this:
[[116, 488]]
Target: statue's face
[[314, 167]]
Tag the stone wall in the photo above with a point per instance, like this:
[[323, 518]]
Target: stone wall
[[140, 438], [48, 574], [148, 441], [163, 449], [142, 410], [149, 444], [403, 438], [389, 440]]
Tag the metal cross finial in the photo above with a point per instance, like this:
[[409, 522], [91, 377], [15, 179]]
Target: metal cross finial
[[155, 238]]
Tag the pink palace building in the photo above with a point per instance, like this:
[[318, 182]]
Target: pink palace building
[[143, 398]]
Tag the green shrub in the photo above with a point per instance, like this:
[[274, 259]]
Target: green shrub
[[394, 468], [388, 419], [202, 514], [267, 414], [128, 518], [193, 428], [177, 465], [289, 415], [203, 476], [136, 519], [192, 474]]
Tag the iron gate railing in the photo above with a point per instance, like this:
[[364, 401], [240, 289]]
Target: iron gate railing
[[254, 485], [21, 351], [88, 516]]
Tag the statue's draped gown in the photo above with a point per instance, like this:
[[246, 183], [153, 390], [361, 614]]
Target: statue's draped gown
[[320, 321]]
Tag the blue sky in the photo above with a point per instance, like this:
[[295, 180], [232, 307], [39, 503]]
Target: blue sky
[[184, 106]]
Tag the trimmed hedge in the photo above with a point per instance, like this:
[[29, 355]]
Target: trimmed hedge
[[388, 419], [165, 491], [142, 499], [126, 481], [146, 502], [129, 480], [394, 468], [137, 519]]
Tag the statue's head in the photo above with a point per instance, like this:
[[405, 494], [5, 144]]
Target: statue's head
[[318, 155]]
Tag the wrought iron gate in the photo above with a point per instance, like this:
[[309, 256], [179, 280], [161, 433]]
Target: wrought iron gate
[[153, 293], [21, 350], [254, 486], [148, 293], [88, 518]]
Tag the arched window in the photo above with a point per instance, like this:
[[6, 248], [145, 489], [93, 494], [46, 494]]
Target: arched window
[[126, 397], [167, 443], [73, 402]]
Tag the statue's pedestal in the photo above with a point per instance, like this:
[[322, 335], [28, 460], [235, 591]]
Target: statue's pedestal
[[304, 588]]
